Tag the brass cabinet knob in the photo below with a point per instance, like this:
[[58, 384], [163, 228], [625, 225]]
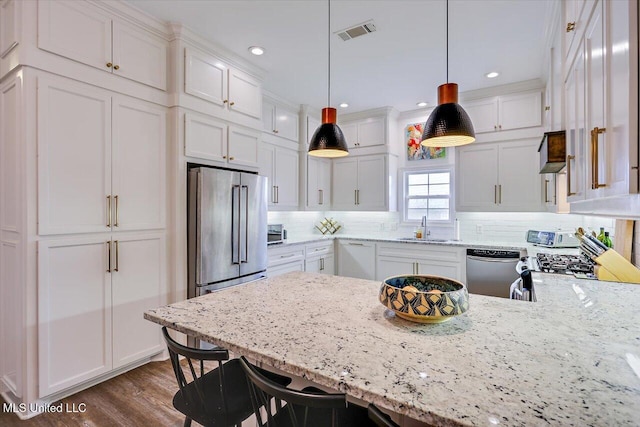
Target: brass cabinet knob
[[225, 101], [231, 158], [232, 103], [571, 26], [224, 157], [547, 108], [109, 65], [116, 67]]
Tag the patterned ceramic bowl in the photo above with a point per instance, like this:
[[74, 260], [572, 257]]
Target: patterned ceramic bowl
[[424, 299]]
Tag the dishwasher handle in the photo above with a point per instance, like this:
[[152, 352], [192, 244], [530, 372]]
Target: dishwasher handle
[[487, 259]]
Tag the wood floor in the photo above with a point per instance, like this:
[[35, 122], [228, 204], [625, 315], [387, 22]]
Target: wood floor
[[141, 397]]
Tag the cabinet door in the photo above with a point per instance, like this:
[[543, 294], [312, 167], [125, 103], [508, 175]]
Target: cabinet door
[[286, 124], [372, 183], [205, 138], [313, 125], [74, 312], [371, 131], [318, 182], [519, 180], [74, 157], [344, 184], [483, 114], [8, 27], [139, 55], [267, 162], [393, 266], [520, 110], [477, 177], [285, 268], [243, 146], [268, 117], [549, 196], [138, 166], [350, 132], [328, 265], [451, 270], [138, 284], [75, 30], [357, 259], [286, 177], [312, 265], [205, 77], [575, 117], [245, 94]]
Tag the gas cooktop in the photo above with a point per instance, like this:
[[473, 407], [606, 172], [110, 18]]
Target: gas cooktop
[[578, 265]]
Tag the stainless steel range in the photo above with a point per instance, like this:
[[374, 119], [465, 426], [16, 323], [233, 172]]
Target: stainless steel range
[[578, 265]]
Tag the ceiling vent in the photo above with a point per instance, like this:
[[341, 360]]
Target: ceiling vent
[[357, 31]]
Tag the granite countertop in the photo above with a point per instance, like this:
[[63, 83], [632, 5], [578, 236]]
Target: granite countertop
[[572, 358]]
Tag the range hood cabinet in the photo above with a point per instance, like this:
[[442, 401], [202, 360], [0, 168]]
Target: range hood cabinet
[[553, 152]]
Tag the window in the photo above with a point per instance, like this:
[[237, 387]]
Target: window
[[427, 193]]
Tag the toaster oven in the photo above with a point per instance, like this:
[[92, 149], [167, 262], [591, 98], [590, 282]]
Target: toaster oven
[[276, 234]]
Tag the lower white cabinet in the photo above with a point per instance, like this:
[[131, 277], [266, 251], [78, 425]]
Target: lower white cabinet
[[92, 294], [284, 259], [411, 258], [357, 259], [319, 258]]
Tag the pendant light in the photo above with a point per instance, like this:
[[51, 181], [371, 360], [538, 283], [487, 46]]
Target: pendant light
[[448, 125], [328, 140]]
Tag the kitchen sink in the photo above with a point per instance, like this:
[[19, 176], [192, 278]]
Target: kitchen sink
[[415, 239]]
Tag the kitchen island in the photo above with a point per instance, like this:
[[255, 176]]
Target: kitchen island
[[572, 358]]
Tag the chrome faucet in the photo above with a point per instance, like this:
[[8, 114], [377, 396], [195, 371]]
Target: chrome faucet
[[423, 224]]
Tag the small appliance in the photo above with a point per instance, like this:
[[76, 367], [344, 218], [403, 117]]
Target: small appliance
[[276, 234], [553, 239]]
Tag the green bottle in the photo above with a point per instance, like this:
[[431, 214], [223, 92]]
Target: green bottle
[[607, 240], [601, 235]]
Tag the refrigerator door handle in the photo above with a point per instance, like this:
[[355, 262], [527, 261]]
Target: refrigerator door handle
[[244, 209], [235, 224]]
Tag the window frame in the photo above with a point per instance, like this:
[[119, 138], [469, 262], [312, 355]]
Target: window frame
[[405, 191]]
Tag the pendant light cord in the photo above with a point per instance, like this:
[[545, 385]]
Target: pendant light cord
[[447, 41], [329, 61]]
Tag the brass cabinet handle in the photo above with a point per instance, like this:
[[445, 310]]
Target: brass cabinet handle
[[499, 193], [108, 257], [320, 197], [108, 211], [546, 191], [417, 268], [356, 244], [225, 101], [231, 158], [358, 196], [117, 257], [500, 127], [571, 26], [232, 103], [355, 197], [224, 157], [109, 65], [116, 199], [595, 160], [321, 264], [495, 127], [277, 194], [547, 107], [495, 194], [569, 158], [116, 67]]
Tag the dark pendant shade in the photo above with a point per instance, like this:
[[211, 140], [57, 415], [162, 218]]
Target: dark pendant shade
[[328, 140], [448, 125]]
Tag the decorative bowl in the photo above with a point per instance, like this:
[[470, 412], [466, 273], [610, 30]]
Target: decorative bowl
[[424, 299]]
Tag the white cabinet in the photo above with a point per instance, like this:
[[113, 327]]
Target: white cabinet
[[318, 183], [366, 132], [285, 259], [9, 34], [214, 80], [554, 192], [514, 111], [418, 258], [211, 139], [280, 166], [576, 15], [357, 259], [499, 177], [101, 160], [84, 33], [280, 121], [97, 289], [360, 183], [319, 257]]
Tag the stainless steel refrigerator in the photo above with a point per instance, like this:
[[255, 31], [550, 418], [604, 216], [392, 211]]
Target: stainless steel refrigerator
[[227, 229]]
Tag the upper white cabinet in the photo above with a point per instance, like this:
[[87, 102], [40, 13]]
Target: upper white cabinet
[[601, 110], [506, 112], [101, 160], [576, 15], [361, 183], [211, 139], [318, 183], [213, 79], [280, 166], [365, 132], [357, 259], [280, 121], [84, 33], [9, 34], [498, 177]]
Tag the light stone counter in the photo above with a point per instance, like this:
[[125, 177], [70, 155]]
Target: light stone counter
[[568, 359]]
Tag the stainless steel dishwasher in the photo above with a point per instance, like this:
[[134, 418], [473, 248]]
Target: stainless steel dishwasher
[[491, 272]]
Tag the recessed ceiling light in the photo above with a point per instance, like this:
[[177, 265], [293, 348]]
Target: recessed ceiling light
[[256, 50], [421, 104], [344, 105], [492, 75]]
